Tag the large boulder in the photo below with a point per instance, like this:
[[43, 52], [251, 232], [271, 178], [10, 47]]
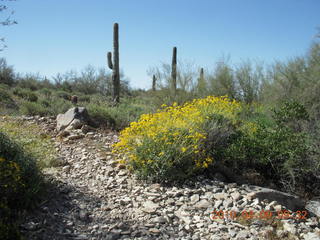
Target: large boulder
[[74, 118]]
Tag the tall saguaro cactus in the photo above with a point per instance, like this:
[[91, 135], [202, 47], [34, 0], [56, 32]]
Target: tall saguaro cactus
[[174, 71], [154, 80], [114, 66], [201, 88], [201, 75]]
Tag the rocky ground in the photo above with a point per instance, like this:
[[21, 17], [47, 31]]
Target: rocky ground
[[93, 197]]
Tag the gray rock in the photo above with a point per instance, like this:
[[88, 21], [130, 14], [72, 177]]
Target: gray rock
[[311, 236], [313, 206], [194, 198], [227, 203], [287, 200], [236, 196], [75, 137], [113, 236], [183, 215], [242, 235], [79, 113], [150, 207], [289, 228], [218, 203], [75, 124], [202, 204], [220, 196]]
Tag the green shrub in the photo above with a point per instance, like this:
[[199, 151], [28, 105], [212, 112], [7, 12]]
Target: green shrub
[[177, 142], [20, 185], [31, 139], [100, 116], [45, 103], [46, 92], [8, 227], [33, 108], [32, 83], [84, 98], [277, 149], [6, 101], [59, 105], [4, 86], [64, 95], [25, 94]]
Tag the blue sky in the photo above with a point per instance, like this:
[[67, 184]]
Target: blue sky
[[59, 35]]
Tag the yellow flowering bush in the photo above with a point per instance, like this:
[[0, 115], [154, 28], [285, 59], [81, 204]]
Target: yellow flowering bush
[[20, 185], [171, 143], [10, 178]]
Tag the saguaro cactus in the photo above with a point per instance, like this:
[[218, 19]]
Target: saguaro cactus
[[114, 66], [174, 71], [201, 88], [154, 80], [201, 75]]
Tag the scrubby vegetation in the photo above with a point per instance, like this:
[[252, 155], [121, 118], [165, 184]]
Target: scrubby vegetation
[[179, 141], [273, 134], [24, 151], [267, 123]]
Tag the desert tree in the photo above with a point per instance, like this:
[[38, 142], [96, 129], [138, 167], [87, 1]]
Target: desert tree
[[221, 81]]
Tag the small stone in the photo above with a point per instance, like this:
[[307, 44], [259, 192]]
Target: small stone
[[154, 230], [289, 228], [311, 236], [203, 204], [242, 235], [194, 198], [75, 137], [218, 203], [220, 196], [160, 220], [227, 203], [150, 207], [236, 196]]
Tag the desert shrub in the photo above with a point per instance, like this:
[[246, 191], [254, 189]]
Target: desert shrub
[[84, 98], [59, 105], [7, 75], [33, 108], [30, 82], [45, 103], [278, 148], [6, 100], [46, 92], [64, 95], [25, 94], [180, 141], [20, 185], [126, 112], [4, 86], [100, 116], [17, 91], [8, 227], [170, 145], [31, 140]]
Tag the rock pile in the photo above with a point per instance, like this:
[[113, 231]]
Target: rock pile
[[96, 198]]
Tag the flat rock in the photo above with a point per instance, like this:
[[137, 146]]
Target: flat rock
[[287, 200], [313, 206], [202, 204], [150, 207]]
